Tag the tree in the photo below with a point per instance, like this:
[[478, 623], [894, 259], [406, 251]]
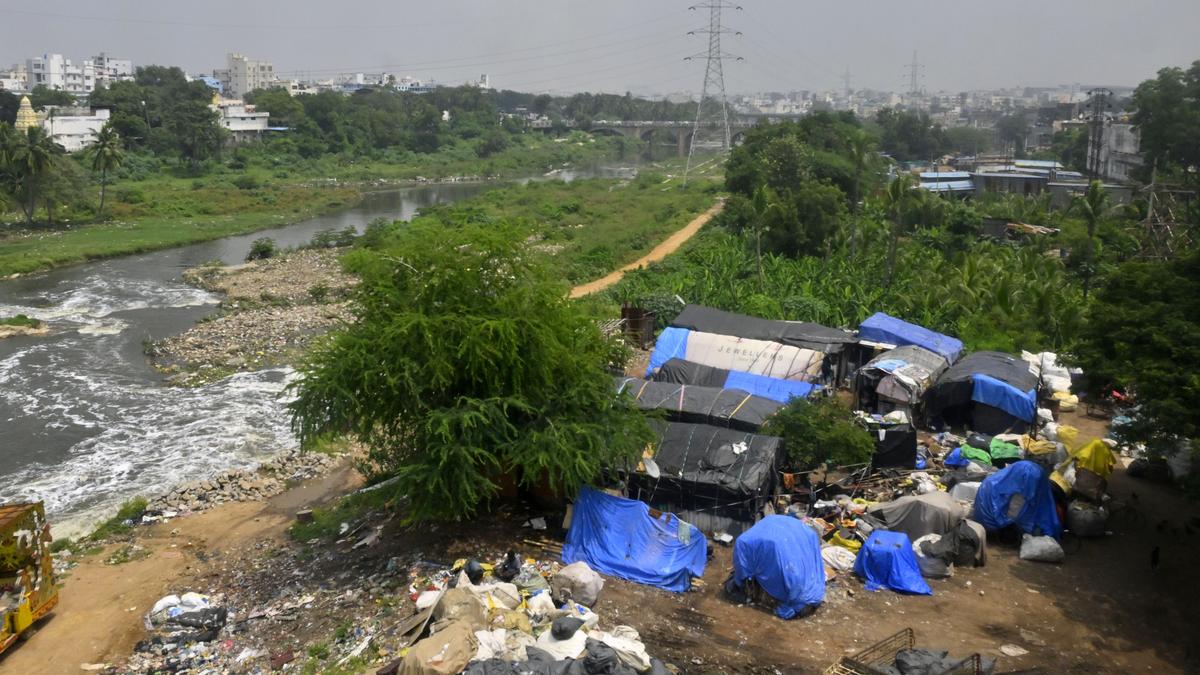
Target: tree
[[32, 159], [9, 104], [1070, 148], [107, 155], [910, 135], [195, 131], [1093, 207], [805, 219], [42, 96], [1014, 129], [968, 140], [468, 363], [897, 202], [1167, 116], [1143, 335], [820, 431]]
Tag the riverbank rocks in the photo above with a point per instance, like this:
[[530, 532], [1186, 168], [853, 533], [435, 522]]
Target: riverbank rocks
[[241, 485]]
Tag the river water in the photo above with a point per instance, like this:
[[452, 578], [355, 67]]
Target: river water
[[86, 422]]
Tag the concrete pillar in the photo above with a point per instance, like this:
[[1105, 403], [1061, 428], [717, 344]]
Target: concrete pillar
[[682, 137]]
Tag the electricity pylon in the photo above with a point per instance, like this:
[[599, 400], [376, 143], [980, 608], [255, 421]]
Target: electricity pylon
[[712, 110]]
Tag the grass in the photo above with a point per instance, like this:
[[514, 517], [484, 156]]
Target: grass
[[161, 207], [20, 321], [327, 522]]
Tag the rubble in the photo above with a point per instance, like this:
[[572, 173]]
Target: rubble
[[239, 485]]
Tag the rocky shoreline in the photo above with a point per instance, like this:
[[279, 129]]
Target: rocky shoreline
[[271, 312], [272, 477]]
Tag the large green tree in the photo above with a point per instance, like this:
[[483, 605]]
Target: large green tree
[[32, 160], [467, 363], [107, 155], [1143, 334], [910, 135], [1166, 111]]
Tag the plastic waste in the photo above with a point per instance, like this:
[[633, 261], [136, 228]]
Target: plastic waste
[[510, 568]]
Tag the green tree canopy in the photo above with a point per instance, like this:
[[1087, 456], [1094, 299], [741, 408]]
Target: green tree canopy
[[1167, 115], [467, 363], [909, 135]]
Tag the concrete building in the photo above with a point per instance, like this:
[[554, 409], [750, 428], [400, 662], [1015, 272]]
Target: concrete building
[[1120, 152], [109, 70], [242, 121], [13, 79], [74, 128], [54, 71], [242, 75]]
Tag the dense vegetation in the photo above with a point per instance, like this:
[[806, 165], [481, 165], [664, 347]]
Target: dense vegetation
[[468, 366], [820, 431]]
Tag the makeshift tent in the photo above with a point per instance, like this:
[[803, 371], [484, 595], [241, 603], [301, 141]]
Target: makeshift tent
[[782, 555], [731, 408], [686, 372], [803, 334], [990, 392], [897, 378], [1019, 493], [620, 537], [715, 478], [882, 329], [919, 515], [887, 560], [757, 357]]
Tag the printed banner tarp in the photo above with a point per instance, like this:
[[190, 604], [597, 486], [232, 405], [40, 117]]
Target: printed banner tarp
[[757, 357]]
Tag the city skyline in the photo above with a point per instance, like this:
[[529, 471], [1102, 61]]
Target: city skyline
[[625, 46]]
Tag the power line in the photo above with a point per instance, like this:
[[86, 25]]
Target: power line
[[1099, 102], [717, 114]]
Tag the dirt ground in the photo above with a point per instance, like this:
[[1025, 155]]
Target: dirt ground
[[99, 615], [664, 249], [1103, 611]]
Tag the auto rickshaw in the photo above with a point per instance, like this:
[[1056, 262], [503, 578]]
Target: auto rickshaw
[[28, 590]]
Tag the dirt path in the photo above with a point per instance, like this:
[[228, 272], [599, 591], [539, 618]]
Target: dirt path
[[666, 248], [99, 616]]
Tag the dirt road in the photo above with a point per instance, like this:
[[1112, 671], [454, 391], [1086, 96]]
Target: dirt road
[[666, 248], [99, 617]]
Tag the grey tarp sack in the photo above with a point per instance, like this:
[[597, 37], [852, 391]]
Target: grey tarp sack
[[919, 515], [960, 546]]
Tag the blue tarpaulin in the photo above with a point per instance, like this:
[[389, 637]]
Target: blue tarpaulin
[[618, 536], [887, 560], [1000, 394], [880, 327], [956, 459], [671, 344], [769, 387], [1036, 515], [783, 555]]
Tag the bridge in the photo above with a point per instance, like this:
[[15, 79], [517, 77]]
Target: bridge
[[680, 131]]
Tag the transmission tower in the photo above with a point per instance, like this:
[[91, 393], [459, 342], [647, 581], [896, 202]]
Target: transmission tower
[[916, 72], [846, 82], [1162, 236], [1099, 102], [711, 129]]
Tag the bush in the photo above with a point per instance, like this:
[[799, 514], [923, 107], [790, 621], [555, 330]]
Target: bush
[[246, 182], [20, 320], [820, 431], [319, 293], [261, 249]]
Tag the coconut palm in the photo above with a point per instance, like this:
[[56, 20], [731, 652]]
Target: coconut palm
[[1093, 206], [897, 200], [106, 155], [33, 158]]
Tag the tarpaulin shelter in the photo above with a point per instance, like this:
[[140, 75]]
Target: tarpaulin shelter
[[803, 334], [680, 371], [897, 378], [895, 446], [919, 515], [783, 556], [620, 537], [881, 329], [715, 478], [1018, 494], [991, 392], [757, 357], [887, 560], [731, 408]]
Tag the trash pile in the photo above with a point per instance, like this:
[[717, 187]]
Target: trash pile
[[517, 617], [239, 485], [180, 628]]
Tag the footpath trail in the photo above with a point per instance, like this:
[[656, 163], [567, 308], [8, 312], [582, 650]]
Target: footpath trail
[[664, 249], [99, 616]]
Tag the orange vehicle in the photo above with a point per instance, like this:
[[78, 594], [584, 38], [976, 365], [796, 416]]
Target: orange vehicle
[[28, 590]]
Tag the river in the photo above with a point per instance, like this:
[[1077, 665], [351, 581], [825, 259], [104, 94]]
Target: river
[[86, 422]]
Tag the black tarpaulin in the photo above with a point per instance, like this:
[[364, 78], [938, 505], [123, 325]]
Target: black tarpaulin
[[949, 400], [700, 405], [895, 447], [795, 333]]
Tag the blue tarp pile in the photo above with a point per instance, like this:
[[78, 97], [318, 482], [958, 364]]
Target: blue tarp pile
[[618, 536], [887, 560], [1000, 394], [880, 327], [1037, 515], [680, 371], [783, 555]]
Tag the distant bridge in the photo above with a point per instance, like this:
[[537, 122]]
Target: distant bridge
[[680, 131]]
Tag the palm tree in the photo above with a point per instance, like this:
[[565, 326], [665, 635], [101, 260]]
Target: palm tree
[[7, 183], [32, 159], [1093, 205], [897, 201], [106, 155], [762, 203]]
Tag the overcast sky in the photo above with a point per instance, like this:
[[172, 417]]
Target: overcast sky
[[639, 45]]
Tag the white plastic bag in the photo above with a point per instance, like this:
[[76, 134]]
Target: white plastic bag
[[839, 558], [1041, 549]]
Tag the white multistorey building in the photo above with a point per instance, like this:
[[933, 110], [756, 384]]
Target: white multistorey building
[[74, 128], [1120, 152], [109, 70], [242, 75], [242, 121], [54, 71]]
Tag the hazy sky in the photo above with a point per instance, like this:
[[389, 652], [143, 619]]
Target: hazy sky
[[615, 45]]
